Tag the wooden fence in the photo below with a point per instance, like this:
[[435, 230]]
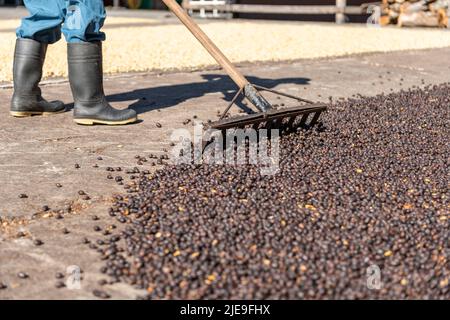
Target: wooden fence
[[340, 10]]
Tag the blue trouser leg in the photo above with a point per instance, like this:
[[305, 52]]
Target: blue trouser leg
[[81, 20], [44, 22], [84, 19]]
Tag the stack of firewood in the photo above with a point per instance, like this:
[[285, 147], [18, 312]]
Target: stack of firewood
[[415, 13]]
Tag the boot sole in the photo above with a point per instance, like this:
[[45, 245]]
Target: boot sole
[[23, 114], [91, 122]]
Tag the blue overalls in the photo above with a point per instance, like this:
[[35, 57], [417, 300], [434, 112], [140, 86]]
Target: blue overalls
[[79, 20]]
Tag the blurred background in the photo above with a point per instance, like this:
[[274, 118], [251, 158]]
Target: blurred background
[[410, 13]]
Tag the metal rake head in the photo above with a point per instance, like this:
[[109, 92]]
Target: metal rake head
[[286, 119]]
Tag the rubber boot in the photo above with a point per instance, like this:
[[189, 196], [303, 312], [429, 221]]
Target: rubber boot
[[86, 82], [27, 100]]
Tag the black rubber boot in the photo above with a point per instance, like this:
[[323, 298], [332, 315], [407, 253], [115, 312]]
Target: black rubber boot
[[86, 81], [27, 100]]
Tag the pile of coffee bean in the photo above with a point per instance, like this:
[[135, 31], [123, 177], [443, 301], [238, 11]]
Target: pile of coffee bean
[[359, 209]]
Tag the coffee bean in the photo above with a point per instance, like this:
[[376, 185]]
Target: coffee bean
[[38, 242], [20, 234], [59, 275], [101, 294]]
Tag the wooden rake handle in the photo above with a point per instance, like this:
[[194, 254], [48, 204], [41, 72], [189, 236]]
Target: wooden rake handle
[[213, 50]]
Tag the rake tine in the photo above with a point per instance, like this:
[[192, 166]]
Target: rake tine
[[304, 119], [289, 125], [315, 118]]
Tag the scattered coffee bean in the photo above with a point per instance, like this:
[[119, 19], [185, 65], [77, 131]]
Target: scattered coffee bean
[[101, 294], [38, 242]]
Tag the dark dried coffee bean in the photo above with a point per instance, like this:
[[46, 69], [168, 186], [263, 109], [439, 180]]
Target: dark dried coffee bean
[[102, 282], [20, 234], [101, 294], [59, 275]]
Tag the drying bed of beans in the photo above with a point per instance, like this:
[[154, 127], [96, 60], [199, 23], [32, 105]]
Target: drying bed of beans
[[170, 47], [366, 189]]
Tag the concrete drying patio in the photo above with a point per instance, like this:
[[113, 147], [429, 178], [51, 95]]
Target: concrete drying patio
[[39, 152]]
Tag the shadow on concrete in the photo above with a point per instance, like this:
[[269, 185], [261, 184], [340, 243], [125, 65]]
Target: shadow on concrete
[[167, 96]]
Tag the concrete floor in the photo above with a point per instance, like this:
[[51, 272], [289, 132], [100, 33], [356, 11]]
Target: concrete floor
[[38, 152]]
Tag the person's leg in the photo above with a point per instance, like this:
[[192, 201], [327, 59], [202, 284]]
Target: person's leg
[[33, 36], [44, 22], [83, 20], [84, 54]]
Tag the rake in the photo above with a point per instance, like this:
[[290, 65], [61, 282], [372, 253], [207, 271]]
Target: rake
[[268, 116]]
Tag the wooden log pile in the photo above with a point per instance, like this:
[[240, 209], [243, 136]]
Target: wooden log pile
[[415, 13]]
